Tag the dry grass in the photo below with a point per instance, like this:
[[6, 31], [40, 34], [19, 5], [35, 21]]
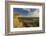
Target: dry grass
[[17, 22]]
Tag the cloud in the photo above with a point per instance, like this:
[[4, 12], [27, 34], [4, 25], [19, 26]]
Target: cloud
[[32, 12], [27, 9], [35, 13]]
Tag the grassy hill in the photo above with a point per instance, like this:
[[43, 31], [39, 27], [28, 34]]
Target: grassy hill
[[27, 21]]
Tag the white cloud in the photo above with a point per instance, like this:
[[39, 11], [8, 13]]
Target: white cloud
[[35, 13], [32, 14], [27, 9]]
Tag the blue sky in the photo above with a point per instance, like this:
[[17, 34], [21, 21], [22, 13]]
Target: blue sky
[[20, 11], [24, 11]]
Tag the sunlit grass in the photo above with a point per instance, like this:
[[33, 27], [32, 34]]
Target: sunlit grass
[[17, 22]]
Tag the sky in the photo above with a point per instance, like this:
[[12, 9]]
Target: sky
[[26, 11]]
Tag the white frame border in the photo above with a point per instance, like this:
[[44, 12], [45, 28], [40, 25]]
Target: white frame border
[[25, 29]]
